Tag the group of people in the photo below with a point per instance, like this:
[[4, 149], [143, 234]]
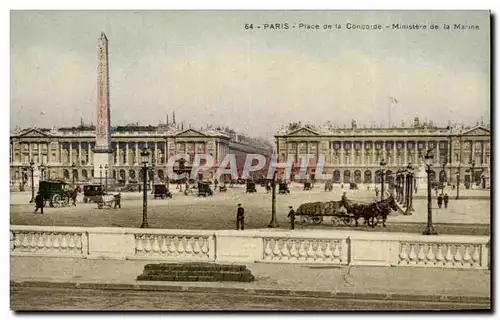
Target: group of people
[[443, 199]]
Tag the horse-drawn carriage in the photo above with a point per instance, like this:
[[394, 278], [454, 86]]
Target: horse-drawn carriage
[[251, 187], [54, 192], [329, 185], [93, 192], [223, 188], [106, 200], [283, 188], [161, 191], [353, 186], [307, 185], [346, 212], [204, 189]]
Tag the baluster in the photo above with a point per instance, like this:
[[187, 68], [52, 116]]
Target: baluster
[[138, 246], [293, 251], [284, 251], [172, 248], [71, 242], [476, 257], [33, 241], [403, 255], [189, 247], [467, 257], [56, 243], [49, 242], [163, 246], [78, 241], [328, 253], [196, 247], [421, 254], [310, 251], [180, 246], [412, 255], [147, 244], [449, 256], [41, 244], [458, 256], [302, 252], [336, 251], [155, 247], [12, 241], [64, 242], [268, 252], [319, 251], [25, 242], [430, 256], [440, 256], [204, 247], [17, 240], [276, 250]]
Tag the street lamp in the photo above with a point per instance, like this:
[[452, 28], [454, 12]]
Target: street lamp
[[100, 174], [458, 181], [32, 169], [106, 179], [429, 230], [73, 173], [409, 206], [382, 167], [274, 221], [398, 184], [145, 161], [403, 187], [445, 162], [472, 178], [48, 172], [42, 171]]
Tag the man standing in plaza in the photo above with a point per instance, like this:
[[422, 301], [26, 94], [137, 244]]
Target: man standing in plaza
[[38, 203], [440, 201], [240, 217], [446, 199], [291, 215]]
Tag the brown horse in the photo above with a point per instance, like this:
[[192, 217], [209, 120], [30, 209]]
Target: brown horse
[[72, 194], [371, 211]]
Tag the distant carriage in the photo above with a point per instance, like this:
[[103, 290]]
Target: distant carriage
[[54, 193], [353, 186], [251, 187], [307, 185], [283, 188], [104, 201], [161, 191], [204, 189], [92, 192], [329, 185]]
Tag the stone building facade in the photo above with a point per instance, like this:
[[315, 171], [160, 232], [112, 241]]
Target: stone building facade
[[354, 154], [69, 152]]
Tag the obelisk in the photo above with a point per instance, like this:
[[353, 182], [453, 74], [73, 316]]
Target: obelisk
[[103, 154]]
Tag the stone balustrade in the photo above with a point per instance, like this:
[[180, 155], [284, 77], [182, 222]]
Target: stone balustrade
[[250, 246]]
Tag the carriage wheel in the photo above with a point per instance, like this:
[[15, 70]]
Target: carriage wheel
[[303, 219], [317, 220], [347, 220], [56, 201], [336, 221]]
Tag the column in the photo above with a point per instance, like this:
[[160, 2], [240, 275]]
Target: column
[[394, 155], [166, 152], [70, 153], [136, 152], [91, 156], [79, 152], [59, 151], [362, 155], [373, 153], [406, 152], [352, 155], [118, 154], [127, 160], [472, 152], [156, 153], [438, 161], [415, 153], [341, 152], [40, 152]]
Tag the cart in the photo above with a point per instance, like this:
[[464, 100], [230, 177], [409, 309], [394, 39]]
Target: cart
[[161, 191], [104, 201], [204, 189], [283, 188], [92, 192], [251, 187], [316, 212], [307, 185]]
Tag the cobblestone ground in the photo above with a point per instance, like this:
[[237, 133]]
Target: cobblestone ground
[[218, 212], [28, 299]]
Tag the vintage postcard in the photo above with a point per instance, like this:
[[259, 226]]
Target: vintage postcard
[[250, 160]]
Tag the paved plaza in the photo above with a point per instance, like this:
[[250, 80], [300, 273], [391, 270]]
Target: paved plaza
[[218, 212]]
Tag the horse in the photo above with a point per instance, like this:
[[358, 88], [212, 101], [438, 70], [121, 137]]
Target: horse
[[380, 208], [72, 194]]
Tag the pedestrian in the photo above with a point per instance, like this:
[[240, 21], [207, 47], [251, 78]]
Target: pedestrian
[[376, 192], [291, 215], [118, 200], [446, 199], [240, 217], [39, 203], [440, 201]]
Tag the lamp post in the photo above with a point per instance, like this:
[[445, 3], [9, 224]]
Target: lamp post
[[48, 172], [32, 169], [472, 166], [100, 174], [444, 178], [429, 230], [404, 186], [409, 207], [153, 173], [382, 169], [106, 179], [274, 222], [458, 181], [42, 171], [398, 185], [73, 166], [145, 161]]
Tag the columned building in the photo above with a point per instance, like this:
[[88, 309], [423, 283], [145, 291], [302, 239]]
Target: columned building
[[354, 154], [68, 152]]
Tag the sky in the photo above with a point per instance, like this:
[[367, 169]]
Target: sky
[[209, 69]]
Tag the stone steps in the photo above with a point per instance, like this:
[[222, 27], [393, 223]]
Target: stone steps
[[195, 272]]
